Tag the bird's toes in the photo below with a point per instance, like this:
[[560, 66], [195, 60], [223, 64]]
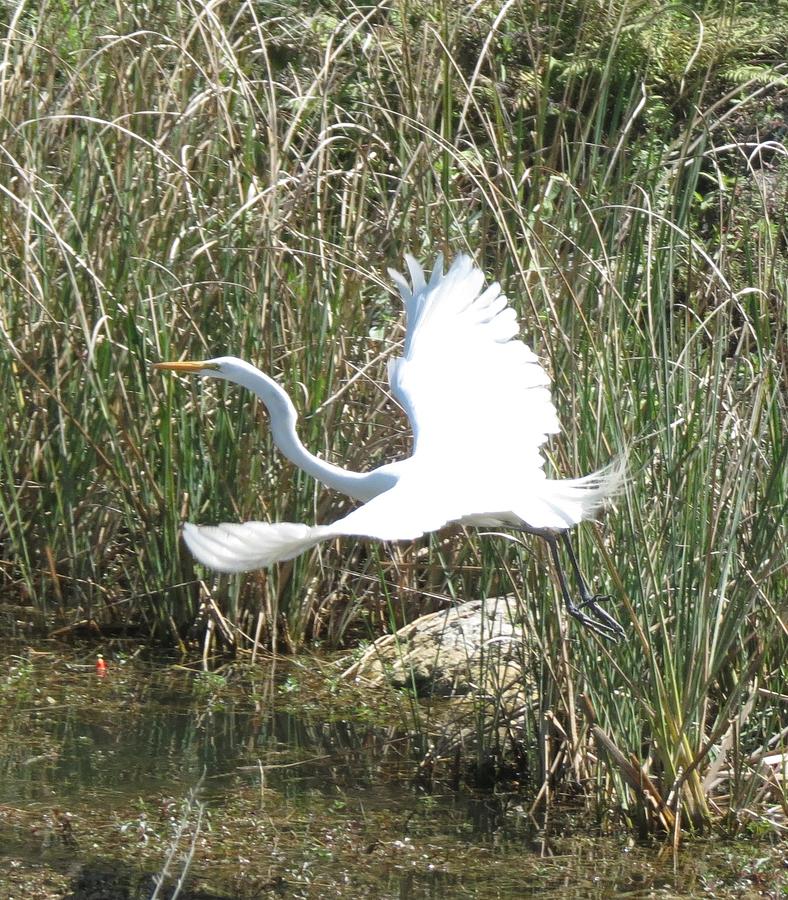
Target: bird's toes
[[609, 629], [601, 617], [593, 601]]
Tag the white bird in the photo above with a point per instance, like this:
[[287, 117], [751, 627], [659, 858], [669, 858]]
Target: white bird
[[479, 405]]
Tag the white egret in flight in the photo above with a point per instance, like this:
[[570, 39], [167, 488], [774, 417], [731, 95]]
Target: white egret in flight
[[479, 405]]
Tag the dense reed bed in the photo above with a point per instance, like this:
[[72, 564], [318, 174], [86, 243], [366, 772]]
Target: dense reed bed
[[191, 179]]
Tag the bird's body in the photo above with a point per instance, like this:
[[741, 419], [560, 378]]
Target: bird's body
[[480, 408]]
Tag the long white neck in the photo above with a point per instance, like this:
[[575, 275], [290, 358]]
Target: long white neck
[[283, 415]]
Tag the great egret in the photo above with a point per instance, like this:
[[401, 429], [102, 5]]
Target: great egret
[[479, 405]]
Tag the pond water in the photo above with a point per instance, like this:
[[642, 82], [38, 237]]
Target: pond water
[[254, 782]]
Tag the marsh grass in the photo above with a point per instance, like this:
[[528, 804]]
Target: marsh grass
[[194, 180]]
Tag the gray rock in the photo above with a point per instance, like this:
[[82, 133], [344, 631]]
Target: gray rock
[[474, 662], [475, 647]]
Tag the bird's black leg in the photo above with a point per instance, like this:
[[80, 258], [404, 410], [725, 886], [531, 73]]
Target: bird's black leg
[[587, 599], [604, 623]]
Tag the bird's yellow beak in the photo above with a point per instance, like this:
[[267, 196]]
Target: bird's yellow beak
[[184, 366]]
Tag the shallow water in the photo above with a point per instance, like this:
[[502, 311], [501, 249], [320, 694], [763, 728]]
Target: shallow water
[[257, 786]]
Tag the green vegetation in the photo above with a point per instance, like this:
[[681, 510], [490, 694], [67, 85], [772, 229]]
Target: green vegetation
[[193, 180]]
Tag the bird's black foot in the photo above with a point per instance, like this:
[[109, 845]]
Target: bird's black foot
[[602, 622]]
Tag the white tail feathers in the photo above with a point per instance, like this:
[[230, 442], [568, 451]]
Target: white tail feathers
[[598, 487], [240, 547], [565, 503]]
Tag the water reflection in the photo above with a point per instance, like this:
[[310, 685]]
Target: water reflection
[[154, 735], [297, 797]]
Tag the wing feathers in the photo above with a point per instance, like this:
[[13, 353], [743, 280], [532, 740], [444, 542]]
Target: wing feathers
[[402, 286], [406, 511], [465, 382], [416, 273], [239, 547]]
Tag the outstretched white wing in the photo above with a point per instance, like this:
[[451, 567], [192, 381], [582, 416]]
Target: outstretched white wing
[[474, 394], [414, 506]]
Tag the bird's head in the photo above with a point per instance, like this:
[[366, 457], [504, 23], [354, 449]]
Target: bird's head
[[231, 368], [226, 367]]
